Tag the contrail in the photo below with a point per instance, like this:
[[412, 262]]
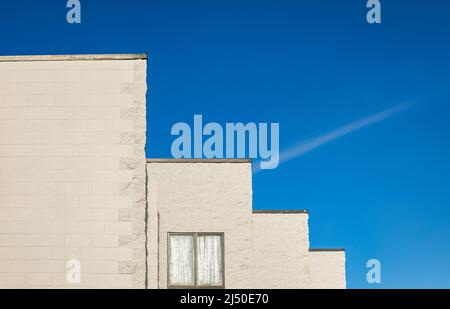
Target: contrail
[[305, 147]]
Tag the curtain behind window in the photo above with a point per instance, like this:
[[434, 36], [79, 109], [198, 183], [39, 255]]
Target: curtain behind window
[[209, 260], [181, 265]]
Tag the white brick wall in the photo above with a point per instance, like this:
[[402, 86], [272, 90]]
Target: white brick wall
[[327, 269], [201, 197], [72, 171], [280, 244]]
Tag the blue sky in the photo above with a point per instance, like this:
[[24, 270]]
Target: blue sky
[[313, 66]]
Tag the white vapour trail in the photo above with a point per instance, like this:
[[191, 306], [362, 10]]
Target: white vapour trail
[[307, 146]]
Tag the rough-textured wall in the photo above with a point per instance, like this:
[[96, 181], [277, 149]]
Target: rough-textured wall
[[203, 197], [327, 269], [280, 250], [72, 170]]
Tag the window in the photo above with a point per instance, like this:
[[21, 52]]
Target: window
[[195, 260]]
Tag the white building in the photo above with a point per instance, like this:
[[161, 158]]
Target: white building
[[75, 186]]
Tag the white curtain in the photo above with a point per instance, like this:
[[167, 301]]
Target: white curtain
[[181, 265], [209, 260]]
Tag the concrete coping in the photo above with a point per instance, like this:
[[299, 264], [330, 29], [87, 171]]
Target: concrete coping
[[300, 211], [327, 250], [79, 57], [172, 160]]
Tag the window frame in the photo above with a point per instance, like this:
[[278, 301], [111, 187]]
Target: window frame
[[195, 235]]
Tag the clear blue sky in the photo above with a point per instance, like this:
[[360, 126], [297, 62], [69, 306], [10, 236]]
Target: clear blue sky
[[381, 192]]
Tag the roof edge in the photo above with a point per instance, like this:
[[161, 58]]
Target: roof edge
[[299, 211], [75, 57], [173, 160], [326, 249]]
